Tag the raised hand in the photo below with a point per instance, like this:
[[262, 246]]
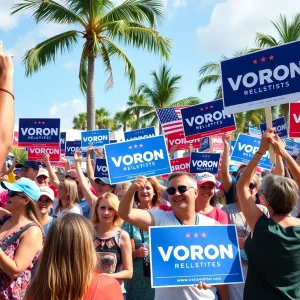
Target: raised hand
[[279, 145], [226, 138], [139, 183], [46, 159], [77, 157], [264, 142]]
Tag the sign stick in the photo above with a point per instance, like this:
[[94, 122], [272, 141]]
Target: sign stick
[[211, 148], [268, 114]]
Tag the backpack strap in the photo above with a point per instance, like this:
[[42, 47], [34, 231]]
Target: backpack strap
[[118, 236], [16, 236]]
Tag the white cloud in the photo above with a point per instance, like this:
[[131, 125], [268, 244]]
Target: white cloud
[[120, 107], [234, 23], [7, 21], [66, 111], [179, 3], [71, 64]]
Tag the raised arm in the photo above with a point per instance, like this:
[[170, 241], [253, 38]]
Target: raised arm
[[53, 177], [279, 166], [87, 193], [226, 178], [279, 148], [251, 212], [89, 168], [7, 105], [137, 217]]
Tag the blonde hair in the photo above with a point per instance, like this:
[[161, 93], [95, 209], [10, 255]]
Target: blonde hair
[[113, 202], [256, 179], [122, 186], [68, 261], [71, 189]]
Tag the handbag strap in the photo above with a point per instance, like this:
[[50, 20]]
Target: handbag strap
[[143, 241], [16, 236]]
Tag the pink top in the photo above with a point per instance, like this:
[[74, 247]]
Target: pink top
[[218, 215]]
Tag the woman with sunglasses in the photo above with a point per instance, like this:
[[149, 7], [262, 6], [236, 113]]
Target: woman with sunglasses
[[18, 257], [139, 287], [236, 216], [67, 201], [44, 205]]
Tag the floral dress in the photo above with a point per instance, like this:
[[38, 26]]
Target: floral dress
[[13, 289]]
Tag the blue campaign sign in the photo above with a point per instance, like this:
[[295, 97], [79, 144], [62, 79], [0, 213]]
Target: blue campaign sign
[[204, 162], [100, 168], [113, 141], [63, 140], [98, 138], [292, 147], [204, 144], [39, 131], [139, 134], [186, 255], [253, 131], [278, 125], [206, 119], [127, 160], [246, 147], [264, 78], [72, 147], [232, 146]]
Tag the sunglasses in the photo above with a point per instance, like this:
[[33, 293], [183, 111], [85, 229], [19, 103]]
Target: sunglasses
[[12, 194], [252, 186], [181, 189]]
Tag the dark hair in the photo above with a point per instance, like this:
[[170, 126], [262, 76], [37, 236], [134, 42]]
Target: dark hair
[[213, 200], [157, 198]]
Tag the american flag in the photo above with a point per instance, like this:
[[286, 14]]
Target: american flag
[[170, 119]]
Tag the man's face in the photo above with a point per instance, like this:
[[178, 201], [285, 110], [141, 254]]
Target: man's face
[[186, 199], [43, 180], [29, 173]]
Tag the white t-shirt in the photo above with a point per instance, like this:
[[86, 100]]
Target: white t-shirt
[[167, 218], [76, 209]]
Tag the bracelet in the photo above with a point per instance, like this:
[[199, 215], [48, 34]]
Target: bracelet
[[8, 92], [259, 153]]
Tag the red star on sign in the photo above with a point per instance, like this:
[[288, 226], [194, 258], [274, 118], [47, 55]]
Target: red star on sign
[[201, 108], [203, 235], [130, 147], [135, 146], [187, 235], [271, 57], [263, 59], [196, 235], [141, 145], [206, 107], [34, 122], [255, 61], [211, 106], [39, 122]]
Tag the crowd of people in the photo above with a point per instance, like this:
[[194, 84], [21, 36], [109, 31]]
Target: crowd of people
[[67, 235]]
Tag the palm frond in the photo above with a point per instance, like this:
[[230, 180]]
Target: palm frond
[[46, 51], [105, 55], [208, 79], [83, 73], [265, 41], [210, 68], [187, 101]]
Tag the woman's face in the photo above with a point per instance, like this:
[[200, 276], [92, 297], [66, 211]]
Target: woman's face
[[44, 204], [15, 201], [206, 191], [121, 193], [62, 192], [253, 188], [147, 193], [106, 213]]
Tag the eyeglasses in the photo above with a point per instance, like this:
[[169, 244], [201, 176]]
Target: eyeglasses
[[12, 194], [181, 189], [252, 186]]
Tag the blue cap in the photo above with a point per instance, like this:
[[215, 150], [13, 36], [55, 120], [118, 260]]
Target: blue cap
[[23, 185], [29, 164], [233, 168], [103, 179]]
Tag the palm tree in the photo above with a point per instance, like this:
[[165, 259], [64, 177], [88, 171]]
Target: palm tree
[[287, 32], [102, 118], [100, 23], [161, 95], [80, 122], [135, 105], [122, 120], [211, 73]]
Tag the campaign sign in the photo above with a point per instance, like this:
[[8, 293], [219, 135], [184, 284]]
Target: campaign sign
[[63, 140], [37, 152], [98, 138], [291, 147], [294, 128], [254, 132], [72, 147], [278, 125], [127, 160], [113, 141], [246, 147], [204, 162], [232, 146], [181, 164], [186, 255], [100, 168], [178, 139], [204, 145], [39, 131], [217, 143], [139, 134], [206, 119], [264, 78]]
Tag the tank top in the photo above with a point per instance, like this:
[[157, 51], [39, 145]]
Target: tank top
[[109, 253]]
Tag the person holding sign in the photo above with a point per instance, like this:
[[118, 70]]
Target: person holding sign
[[273, 248], [6, 104], [182, 191]]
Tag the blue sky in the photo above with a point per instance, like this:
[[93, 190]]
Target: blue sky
[[201, 30]]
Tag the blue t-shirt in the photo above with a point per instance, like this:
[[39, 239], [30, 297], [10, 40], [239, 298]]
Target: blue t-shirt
[[85, 208]]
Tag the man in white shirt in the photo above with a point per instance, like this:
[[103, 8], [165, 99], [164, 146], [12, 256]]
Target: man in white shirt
[[182, 191]]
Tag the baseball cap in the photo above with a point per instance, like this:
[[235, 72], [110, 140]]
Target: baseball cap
[[258, 170], [72, 174], [46, 191], [29, 164], [233, 169], [23, 185], [43, 172], [103, 179], [204, 177]]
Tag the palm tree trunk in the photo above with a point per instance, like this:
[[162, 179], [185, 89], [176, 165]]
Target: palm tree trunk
[[90, 95]]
